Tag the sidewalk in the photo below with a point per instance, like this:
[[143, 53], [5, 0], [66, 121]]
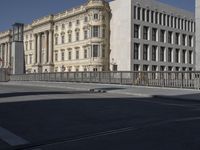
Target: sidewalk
[[178, 94]]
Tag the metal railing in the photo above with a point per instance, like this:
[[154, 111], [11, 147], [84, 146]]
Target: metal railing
[[4, 75], [190, 80]]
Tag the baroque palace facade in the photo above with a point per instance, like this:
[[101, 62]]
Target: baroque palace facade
[[121, 35], [74, 40]]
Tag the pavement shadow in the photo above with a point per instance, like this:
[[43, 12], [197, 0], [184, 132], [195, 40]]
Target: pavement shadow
[[100, 123], [15, 94]]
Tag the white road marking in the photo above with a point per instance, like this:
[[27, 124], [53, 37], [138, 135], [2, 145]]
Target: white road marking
[[10, 138]]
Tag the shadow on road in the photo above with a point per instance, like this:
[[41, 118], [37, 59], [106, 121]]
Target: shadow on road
[[103, 123], [15, 94]]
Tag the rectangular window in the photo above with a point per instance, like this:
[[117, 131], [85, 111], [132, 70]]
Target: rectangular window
[[62, 55], [177, 36], [30, 59], [152, 16], [154, 34], [145, 52], [145, 33], [85, 34], [170, 37], [184, 56], [162, 54], [145, 67], [69, 55], [69, 38], [136, 31], [190, 57], [136, 51], [30, 45], [138, 13], [184, 40], [95, 50], [148, 12], [135, 10], [63, 39], [154, 53], [177, 54], [85, 53], [162, 36], [169, 54], [77, 36], [96, 31], [190, 41], [77, 54], [143, 14]]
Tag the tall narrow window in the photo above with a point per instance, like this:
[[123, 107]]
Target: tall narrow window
[[95, 50], [154, 34], [96, 31], [162, 54], [77, 54], [69, 55], [154, 53], [190, 57], [170, 37], [69, 37], [145, 33], [85, 34], [85, 53], [162, 36], [62, 55], [177, 37], [77, 36], [184, 56], [136, 51], [169, 54], [145, 52], [177, 53], [136, 31]]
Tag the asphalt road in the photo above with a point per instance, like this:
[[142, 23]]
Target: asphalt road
[[59, 119]]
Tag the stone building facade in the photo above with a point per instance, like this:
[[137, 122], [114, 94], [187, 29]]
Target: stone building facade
[[121, 35], [74, 40], [155, 37], [197, 14]]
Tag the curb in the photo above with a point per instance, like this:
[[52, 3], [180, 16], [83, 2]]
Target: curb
[[175, 98]]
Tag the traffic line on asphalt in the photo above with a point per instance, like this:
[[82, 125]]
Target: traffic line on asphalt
[[12, 139]]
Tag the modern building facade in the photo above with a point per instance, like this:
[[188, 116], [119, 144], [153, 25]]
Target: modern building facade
[[122, 35], [197, 14], [147, 35]]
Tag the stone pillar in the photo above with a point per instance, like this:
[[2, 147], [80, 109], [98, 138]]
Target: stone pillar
[[1, 52], [35, 48], [6, 55], [39, 49], [47, 47], [50, 47], [9, 54]]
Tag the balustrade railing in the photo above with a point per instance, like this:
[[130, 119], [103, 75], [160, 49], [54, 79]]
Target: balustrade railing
[[190, 80]]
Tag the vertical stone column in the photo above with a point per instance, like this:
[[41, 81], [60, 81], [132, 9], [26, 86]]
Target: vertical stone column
[[39, 48], [35, 48], [6, 55], [9, 54], [1, 55], [50, 47], [47, 47]]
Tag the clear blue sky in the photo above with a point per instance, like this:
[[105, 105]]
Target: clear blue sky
[[26, 10]]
